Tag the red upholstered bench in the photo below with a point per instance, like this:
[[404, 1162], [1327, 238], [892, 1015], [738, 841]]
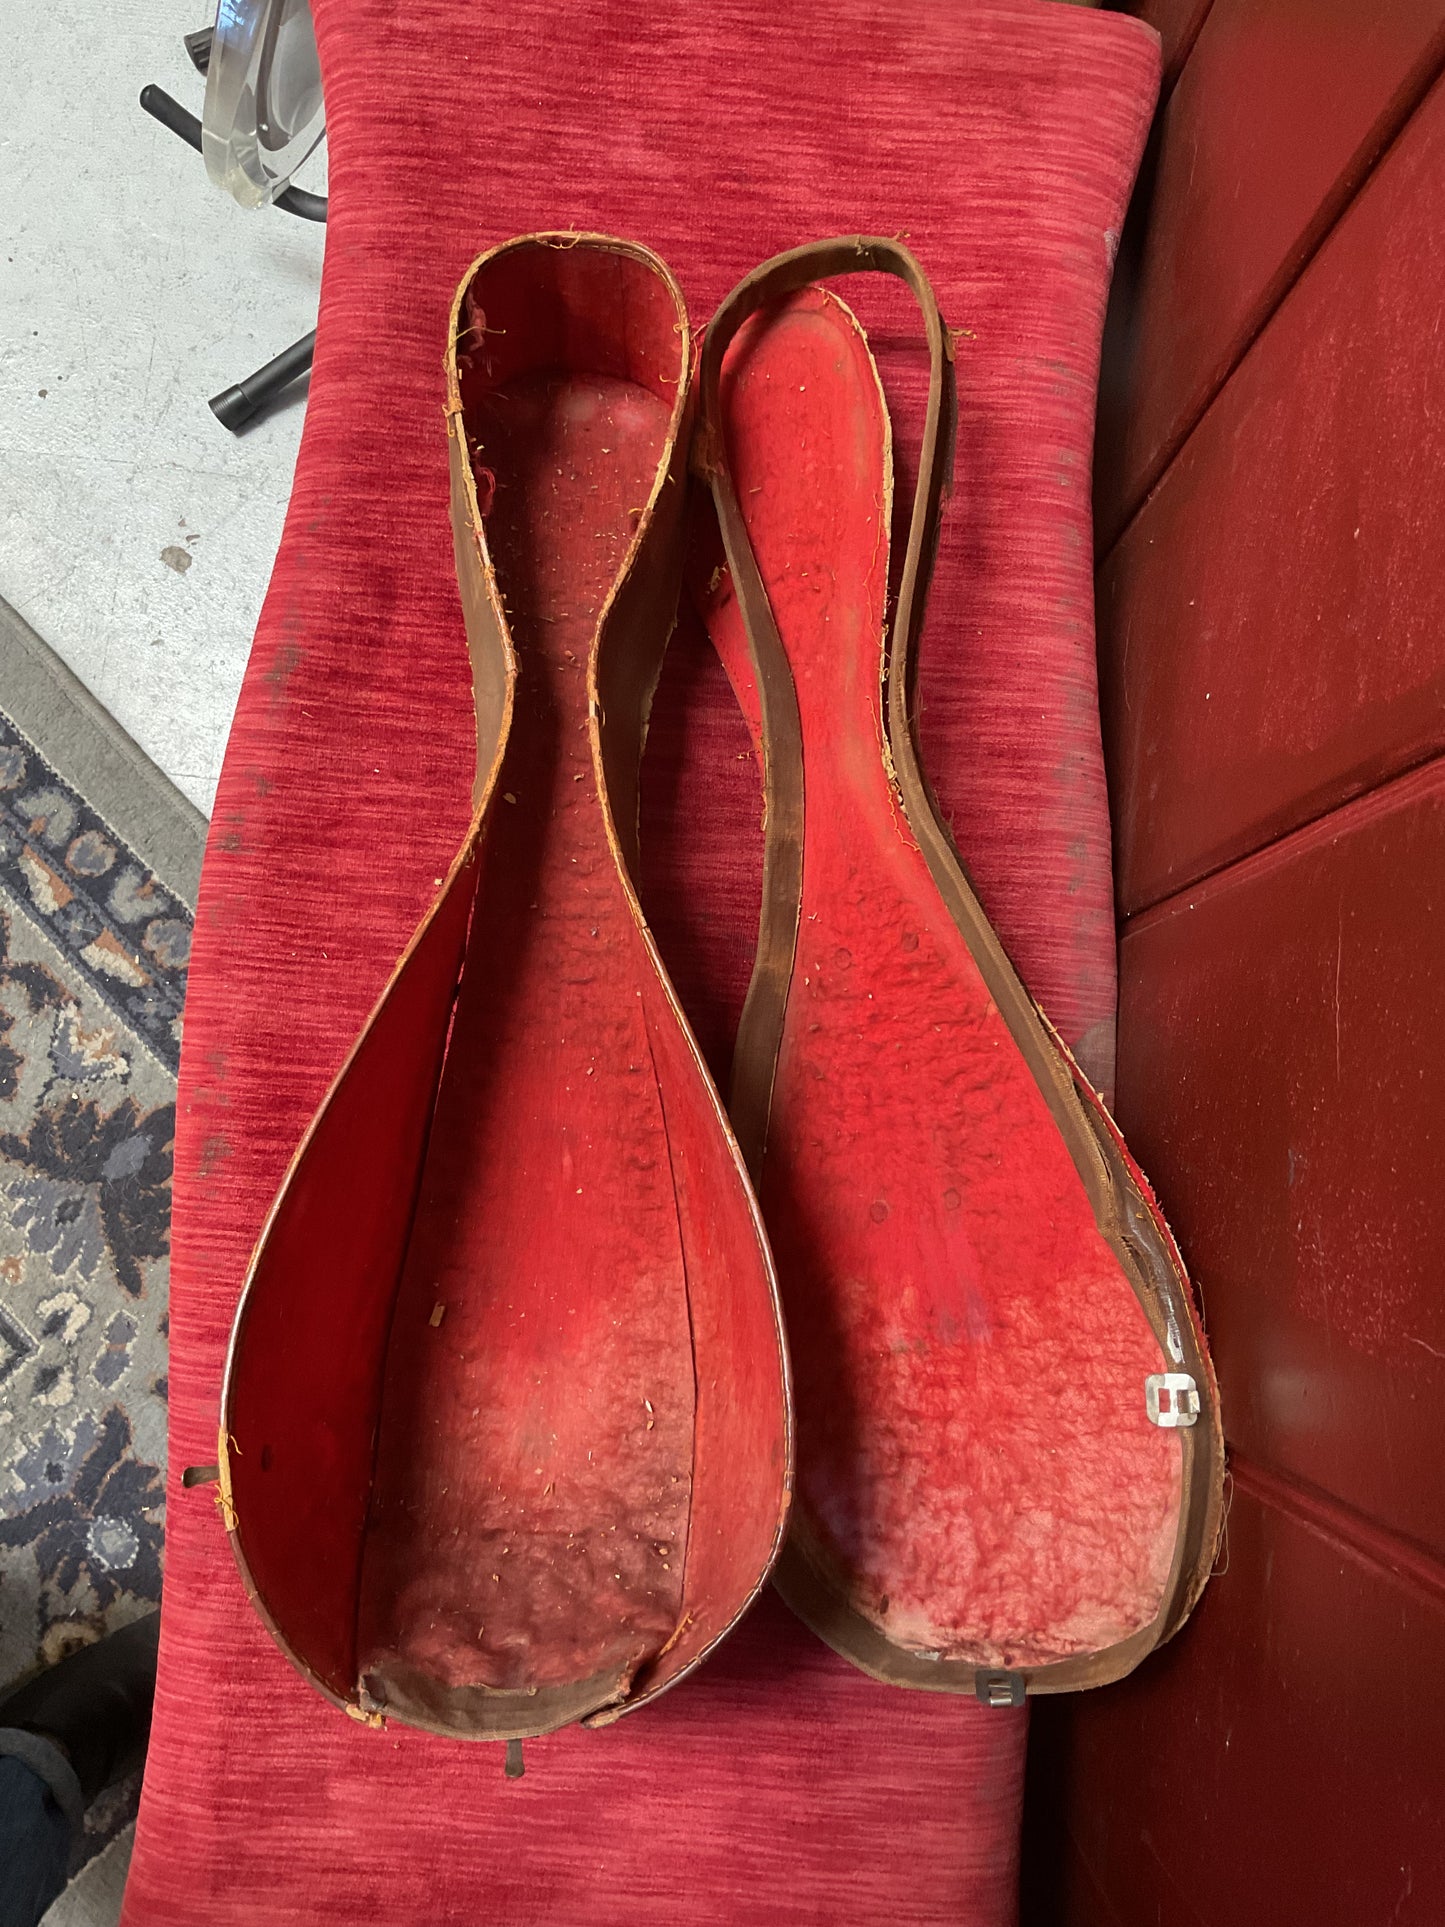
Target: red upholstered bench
[[779, 1785]]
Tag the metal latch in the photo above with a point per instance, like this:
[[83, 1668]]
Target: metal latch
[[999, 1689], [1171, 1398]]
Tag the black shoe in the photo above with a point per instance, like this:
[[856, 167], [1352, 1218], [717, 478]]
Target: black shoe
[[95, 1705]]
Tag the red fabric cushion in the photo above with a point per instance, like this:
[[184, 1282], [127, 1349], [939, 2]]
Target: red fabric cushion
[[778, 1785]]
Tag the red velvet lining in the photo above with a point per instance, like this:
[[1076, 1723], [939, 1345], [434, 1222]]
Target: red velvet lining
[[304, 1375], [975, 1464], [560, 1327], [529, 1523]]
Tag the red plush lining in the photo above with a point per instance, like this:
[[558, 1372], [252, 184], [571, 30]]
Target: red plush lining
[[530, 1515], [306, 1358], [975, 1466], [507, 1409]]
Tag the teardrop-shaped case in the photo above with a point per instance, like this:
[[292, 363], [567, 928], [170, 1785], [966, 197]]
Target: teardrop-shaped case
[[506, 1436]]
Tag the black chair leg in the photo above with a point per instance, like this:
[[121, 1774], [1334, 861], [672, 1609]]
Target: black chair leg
[[238, 406]]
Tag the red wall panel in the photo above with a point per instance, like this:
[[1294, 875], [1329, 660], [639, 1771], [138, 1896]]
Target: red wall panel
[[1272, 640], [1272, 625], [1280, 1076], [1278, 113], [1176, 22], [1282, 1082], [1277, 1765]]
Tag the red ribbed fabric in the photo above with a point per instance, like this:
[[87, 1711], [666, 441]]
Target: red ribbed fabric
[[779, 1786]]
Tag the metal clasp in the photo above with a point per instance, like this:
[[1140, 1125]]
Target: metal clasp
[[999, 1689], [1171, 1398]]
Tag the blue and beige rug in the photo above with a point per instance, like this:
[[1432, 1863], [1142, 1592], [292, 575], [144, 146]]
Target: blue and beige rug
[[93, 952]]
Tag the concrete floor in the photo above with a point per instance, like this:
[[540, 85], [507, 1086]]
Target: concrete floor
[[136, 534]]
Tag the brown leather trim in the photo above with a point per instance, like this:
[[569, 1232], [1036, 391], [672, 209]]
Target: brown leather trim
[[477, 1712], [1130, 1223]]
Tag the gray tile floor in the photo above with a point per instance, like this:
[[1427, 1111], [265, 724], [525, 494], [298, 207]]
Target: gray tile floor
[[136, 535]]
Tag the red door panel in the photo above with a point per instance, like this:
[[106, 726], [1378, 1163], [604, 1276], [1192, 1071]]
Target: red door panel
[[1272, 626], [1277, 115], [1281, 1079], [1176, 22], [1277, 1765]]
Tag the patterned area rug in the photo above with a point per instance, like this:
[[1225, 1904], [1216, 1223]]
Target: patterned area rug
[[93, 952]]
